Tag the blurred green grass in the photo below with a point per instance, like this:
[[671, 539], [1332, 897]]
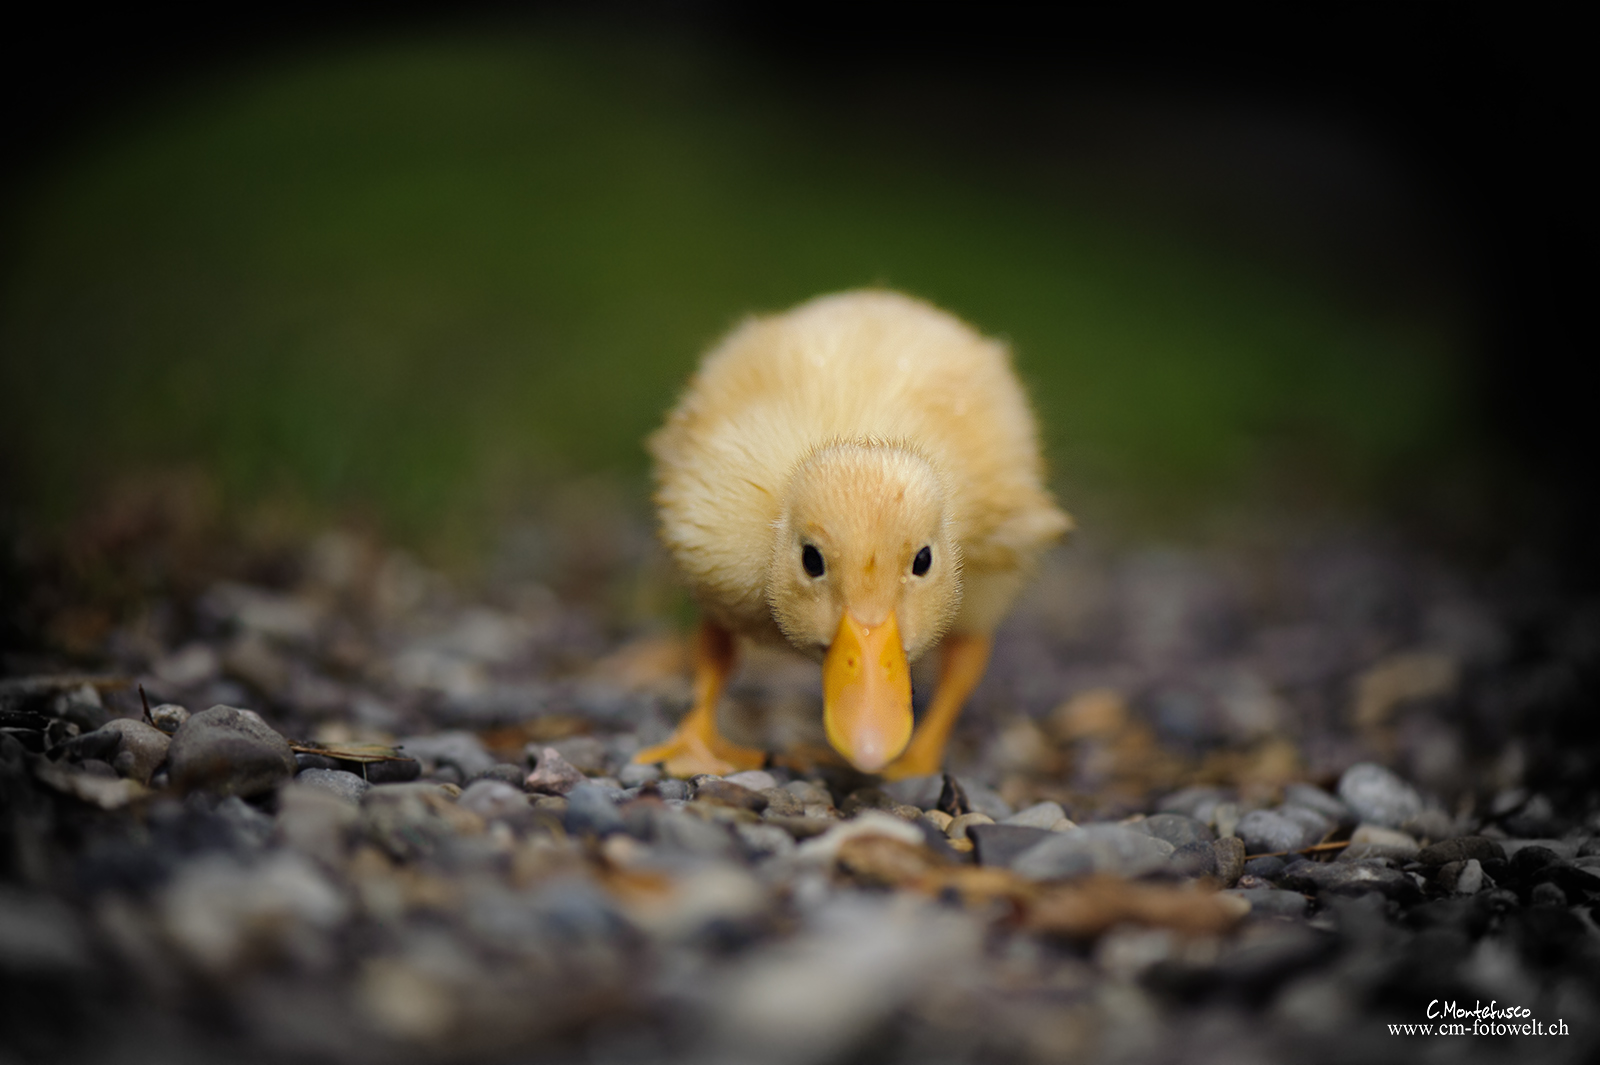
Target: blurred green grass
[[426, 277]]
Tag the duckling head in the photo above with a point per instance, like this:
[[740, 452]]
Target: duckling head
[[865, 574]]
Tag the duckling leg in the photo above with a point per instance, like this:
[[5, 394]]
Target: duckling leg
[[963, 659], [697, 747]]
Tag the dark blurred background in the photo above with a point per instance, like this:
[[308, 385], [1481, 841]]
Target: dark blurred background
[[423, 267]]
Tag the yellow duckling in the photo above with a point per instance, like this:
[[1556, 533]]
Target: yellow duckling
[[858, 477]]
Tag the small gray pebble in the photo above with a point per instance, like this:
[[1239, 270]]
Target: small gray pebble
[[632, 775], [1461, 849], [592, 811], [1317, 825], [727, 793], [346, 786], [1176, 829], [101, 744], [455, 749], [763, 841], [921, 792], [1373, 841], [1194, 859], [681, 833], [228, 751], [505, 772], [250, 826], [587, 753], [983, 799], [1195, 802], [754, 779], [1268, 831], [1547, 894], [1375, 794], [1347, 878], [493, 799], [1314, 798], [1471, 879], [81, 706], [1225, 818], [1265, 868], [1431, 823], [672, 789], [1557, 848], [554, 775], [1000, 845], [811, 793], [1039, 815], [142, 748], [781, 802], [1230, 859], [168, 717], [390, 771], [1099, 848]]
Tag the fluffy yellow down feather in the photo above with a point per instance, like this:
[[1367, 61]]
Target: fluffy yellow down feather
[[864, 458]]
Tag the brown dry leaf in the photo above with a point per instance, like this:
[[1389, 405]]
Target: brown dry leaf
[[351, 752], [1087, 908]]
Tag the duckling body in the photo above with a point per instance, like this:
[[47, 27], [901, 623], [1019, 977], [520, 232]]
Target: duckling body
[[858, 477]]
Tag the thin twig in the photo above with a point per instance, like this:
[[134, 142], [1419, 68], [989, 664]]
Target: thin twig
[[1318, 848], [345, 754], [145, 699]]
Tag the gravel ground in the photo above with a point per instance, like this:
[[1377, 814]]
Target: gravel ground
[[1231, 804]]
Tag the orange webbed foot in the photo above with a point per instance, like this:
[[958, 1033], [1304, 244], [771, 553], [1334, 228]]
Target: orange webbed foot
[[914, 763], [689, 754]]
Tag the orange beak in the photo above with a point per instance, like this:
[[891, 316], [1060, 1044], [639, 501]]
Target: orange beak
[[866, 693]]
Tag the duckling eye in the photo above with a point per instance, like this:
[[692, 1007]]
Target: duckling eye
[[920, 564], [811, 559]]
